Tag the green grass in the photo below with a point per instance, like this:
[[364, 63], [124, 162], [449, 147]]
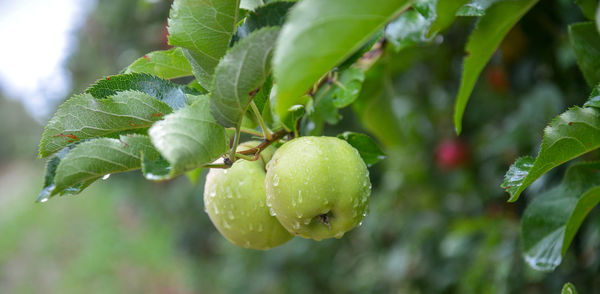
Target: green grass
[[96, 242]]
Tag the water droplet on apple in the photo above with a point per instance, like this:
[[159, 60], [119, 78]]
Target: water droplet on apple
[[293, 202], [230, 215], [296, 225], [360, 223], [275, 180], [300, 196], [216, 210], [339, 235], [272, 212], [226, 224], [44, 200], [106, 176], [225, 171]]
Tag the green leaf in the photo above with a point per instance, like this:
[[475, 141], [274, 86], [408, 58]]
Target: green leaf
[[332, 95], [262, 97], [367, 148], [571, 134], [155, 169], [490, 30], [446, 13], [552, 219], [586, 43], [348, 87], [568, 288], [594, 99], [163, 90], [319, 35], [475, 7], [84, 117], [203, 28], [78, 166], [190, 137], [51, 166], [588, 7], [166, 64], [243, 70], [270, 15]]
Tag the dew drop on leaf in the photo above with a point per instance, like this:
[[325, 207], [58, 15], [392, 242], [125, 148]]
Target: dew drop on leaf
[[106, 176]]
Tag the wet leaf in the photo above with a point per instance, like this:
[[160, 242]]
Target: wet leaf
[[203, 29], [190, 137], [571, 134], [163, 90], [76, 167], [552, 219], [319, 35], [84, 117], [241, 72], [367, 148]]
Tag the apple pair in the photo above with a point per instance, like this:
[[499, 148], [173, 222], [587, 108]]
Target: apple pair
[[313, 187]]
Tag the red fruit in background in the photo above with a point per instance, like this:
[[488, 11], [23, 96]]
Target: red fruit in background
[[496, 78], [451, 153]]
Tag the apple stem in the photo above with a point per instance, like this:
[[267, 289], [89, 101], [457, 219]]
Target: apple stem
[[249, 131], [236, 141], [261, 122]]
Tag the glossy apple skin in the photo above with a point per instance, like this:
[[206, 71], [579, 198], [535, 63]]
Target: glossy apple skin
[[318, 187], [235, 201]]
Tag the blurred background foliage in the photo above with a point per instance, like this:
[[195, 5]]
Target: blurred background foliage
[[438, 222]]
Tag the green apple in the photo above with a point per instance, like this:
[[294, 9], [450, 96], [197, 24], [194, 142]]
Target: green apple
[[318, 187], [235, 201]]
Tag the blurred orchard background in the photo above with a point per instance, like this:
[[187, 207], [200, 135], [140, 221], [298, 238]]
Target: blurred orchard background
[[438, 222]]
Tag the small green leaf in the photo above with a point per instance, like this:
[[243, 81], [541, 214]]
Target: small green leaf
[[203, 28], [84, 117], [552, 218], [155, 169], [586, 43], [190, 137], [319, 35], [517, 172], [51, 166], [367, 148], [166, 64], [262, 97], [446, 13], [348, 87], [163, 90], [594, 99], [568, 288], [571, 134], [243, 70], [88, 161], [491, 29], [270, 15]]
